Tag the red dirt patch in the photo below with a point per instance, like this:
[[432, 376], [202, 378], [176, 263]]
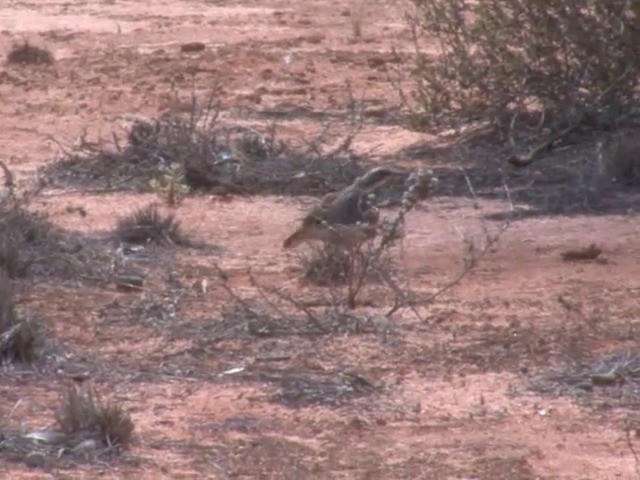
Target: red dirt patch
[[445, 396]]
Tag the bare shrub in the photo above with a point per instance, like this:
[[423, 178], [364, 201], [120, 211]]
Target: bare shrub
[[147, 225], [30, 54], [614, 377], [527, 68], [80, 416], [207, 154]]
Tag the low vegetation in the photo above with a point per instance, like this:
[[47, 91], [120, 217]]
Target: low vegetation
[[175, 154], [148, 225], [532, 70], [84, 415], [27, 54]]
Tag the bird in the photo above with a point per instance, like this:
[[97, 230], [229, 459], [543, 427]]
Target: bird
[[347, 217]]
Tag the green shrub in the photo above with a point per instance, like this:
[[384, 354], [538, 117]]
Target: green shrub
[[542, 63]]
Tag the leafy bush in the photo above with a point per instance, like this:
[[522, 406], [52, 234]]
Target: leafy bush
[[545, 63]]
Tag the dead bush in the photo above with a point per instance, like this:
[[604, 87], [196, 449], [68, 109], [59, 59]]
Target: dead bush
[[84, 415], [147, 225], [30, 54], [205, 154], [614, 378], [526, 68], [20, 340]]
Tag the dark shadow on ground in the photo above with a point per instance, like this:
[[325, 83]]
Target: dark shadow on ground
[[568, 181]]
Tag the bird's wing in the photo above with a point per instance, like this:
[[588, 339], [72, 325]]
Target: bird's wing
[[329, 198]]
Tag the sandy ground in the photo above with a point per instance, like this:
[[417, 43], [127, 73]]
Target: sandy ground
[[447, 393]]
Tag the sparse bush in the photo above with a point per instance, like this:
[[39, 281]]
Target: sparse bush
[[545, 66], [85, 415], [20, 230], [147, 225], [19, 339], [30, 54]]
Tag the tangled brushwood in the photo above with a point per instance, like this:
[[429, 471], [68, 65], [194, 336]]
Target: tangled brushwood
[[175, 154], [527, 65]]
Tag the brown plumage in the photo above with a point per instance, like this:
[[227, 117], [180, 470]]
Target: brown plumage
[[346, 217]]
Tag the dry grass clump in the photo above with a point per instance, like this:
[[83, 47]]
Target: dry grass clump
[[20, 340], [147, 225], [85, 428], [527, 68], [30, 54], [81, 416]]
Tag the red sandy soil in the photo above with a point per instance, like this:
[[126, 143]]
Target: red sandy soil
[[452, 397]]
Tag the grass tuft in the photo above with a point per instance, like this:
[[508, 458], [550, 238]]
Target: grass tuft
[[147, 225]]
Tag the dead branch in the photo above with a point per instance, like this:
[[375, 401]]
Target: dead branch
[[282, 295]]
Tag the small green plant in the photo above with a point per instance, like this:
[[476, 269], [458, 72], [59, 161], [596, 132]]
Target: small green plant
[[171, 185]]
